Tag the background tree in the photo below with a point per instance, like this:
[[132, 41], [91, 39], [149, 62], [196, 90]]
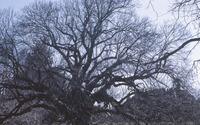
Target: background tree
[[67, 57], [170, 105]]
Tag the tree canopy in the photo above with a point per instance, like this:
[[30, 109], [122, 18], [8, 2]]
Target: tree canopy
[[69, 57]]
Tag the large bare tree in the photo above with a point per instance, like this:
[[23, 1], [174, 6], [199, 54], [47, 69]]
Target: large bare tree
[[67, 58]]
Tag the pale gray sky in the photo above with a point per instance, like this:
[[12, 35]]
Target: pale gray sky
[[15, 4], [158, 13], [161, 7], [157, 10]]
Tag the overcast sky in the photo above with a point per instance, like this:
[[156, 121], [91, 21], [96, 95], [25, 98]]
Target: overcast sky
[[161, 7], [158, 13], [15, 4]]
